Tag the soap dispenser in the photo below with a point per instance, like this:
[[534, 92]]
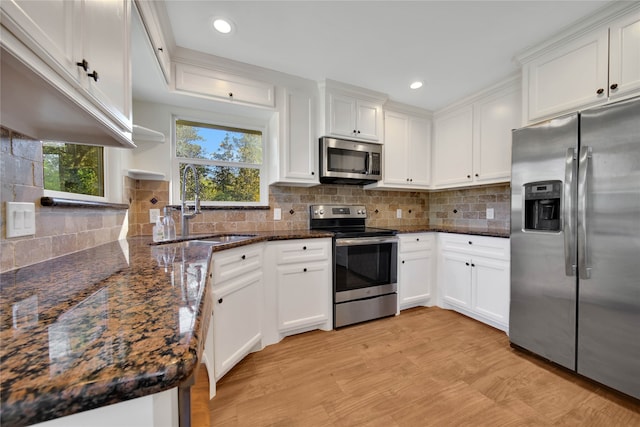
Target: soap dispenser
[[158, 230]]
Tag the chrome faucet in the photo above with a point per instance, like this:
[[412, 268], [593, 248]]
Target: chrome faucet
[[185, 214]]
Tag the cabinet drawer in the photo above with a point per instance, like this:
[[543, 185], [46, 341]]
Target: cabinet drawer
[[415, 242], [202, 81], [303, 251], [235, 262], [492, 247]]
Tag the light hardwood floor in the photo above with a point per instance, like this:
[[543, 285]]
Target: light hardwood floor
[[426, 367]]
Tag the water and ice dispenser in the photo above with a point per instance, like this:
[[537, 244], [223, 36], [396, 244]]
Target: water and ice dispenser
[[542, 205]]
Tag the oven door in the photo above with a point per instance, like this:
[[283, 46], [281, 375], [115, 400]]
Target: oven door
[[365, 267]]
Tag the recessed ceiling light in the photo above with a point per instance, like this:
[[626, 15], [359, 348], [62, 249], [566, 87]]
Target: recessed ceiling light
[[222, 25], [415, 85]]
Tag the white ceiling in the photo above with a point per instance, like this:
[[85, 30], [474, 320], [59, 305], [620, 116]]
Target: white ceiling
[[455, 47]]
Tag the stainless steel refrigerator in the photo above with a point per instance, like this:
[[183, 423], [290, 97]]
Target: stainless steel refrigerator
[[575, 243]]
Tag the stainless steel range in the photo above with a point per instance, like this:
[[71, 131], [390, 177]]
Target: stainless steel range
[[365, 264]]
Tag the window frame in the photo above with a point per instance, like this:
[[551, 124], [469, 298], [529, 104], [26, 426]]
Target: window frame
[[106, 167], [240, 124]]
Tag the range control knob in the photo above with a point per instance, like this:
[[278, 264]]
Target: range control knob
[[321, 211], [364, 211]]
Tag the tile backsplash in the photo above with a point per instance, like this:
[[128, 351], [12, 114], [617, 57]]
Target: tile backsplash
[[467, 207], [59, 231], [459, 207]]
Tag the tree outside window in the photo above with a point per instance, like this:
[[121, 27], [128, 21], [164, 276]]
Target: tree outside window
[[228, 160], [73, 168]]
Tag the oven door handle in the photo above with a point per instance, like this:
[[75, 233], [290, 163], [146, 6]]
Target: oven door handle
[[359, 241]]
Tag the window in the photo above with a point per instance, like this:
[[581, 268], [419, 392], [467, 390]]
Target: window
[[229, 162], [73, 168]]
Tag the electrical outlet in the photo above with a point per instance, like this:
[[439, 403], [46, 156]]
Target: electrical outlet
[[277, 214], [489, 213], [398, 213], [153, 215]]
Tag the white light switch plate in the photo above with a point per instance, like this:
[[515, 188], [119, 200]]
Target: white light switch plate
[[277, 214], [489, 213], [153, 215], [398, 213], [21, 219]]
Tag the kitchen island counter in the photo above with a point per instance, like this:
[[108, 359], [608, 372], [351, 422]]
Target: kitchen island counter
[[116, 322]]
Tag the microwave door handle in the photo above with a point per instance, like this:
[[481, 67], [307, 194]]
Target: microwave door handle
[[367, 162]]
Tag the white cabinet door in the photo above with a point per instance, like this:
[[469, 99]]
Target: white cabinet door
[[453, 147], [106, 45], [624, 56], [351, 117], [51, 25], [419, 151], [303, 299], [414, 277], [456, 277], [298, 149], [491, 280], [152, 25], [396, 137], [570, 77], [342, 115], [237, 316], [494, 118], [407, 151], [367, 120], [208, 82]]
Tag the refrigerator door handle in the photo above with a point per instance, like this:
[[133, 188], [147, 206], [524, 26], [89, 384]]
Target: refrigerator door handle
[[568, 219], [583, 173]]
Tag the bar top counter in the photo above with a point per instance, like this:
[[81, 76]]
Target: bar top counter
[[104, 325]]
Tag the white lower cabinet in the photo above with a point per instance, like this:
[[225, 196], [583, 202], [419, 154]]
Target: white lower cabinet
[[416, 268], [298, 287], [236, 324], [474, 277], [236, 321], [302, 295]]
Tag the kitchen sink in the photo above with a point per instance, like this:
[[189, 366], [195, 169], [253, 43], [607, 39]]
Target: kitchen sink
[[231, 238], [210, 241]]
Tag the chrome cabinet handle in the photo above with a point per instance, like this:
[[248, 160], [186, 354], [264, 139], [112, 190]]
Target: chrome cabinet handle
[[568, 220], [583, 175]]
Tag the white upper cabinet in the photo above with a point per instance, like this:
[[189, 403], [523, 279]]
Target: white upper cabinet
[[494, 117], [472, 140], [624, 56], [407, 151], [212, 83], [453, 145], [159, 43], [81, 49], [106, 45], [351, 112], [294, 154], [598, 66]]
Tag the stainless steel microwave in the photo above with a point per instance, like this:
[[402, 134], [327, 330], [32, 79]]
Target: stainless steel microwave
[[344, 161]]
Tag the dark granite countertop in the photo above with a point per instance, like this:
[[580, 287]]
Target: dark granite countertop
[[97, 327], [456, 230], [112, 323]]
